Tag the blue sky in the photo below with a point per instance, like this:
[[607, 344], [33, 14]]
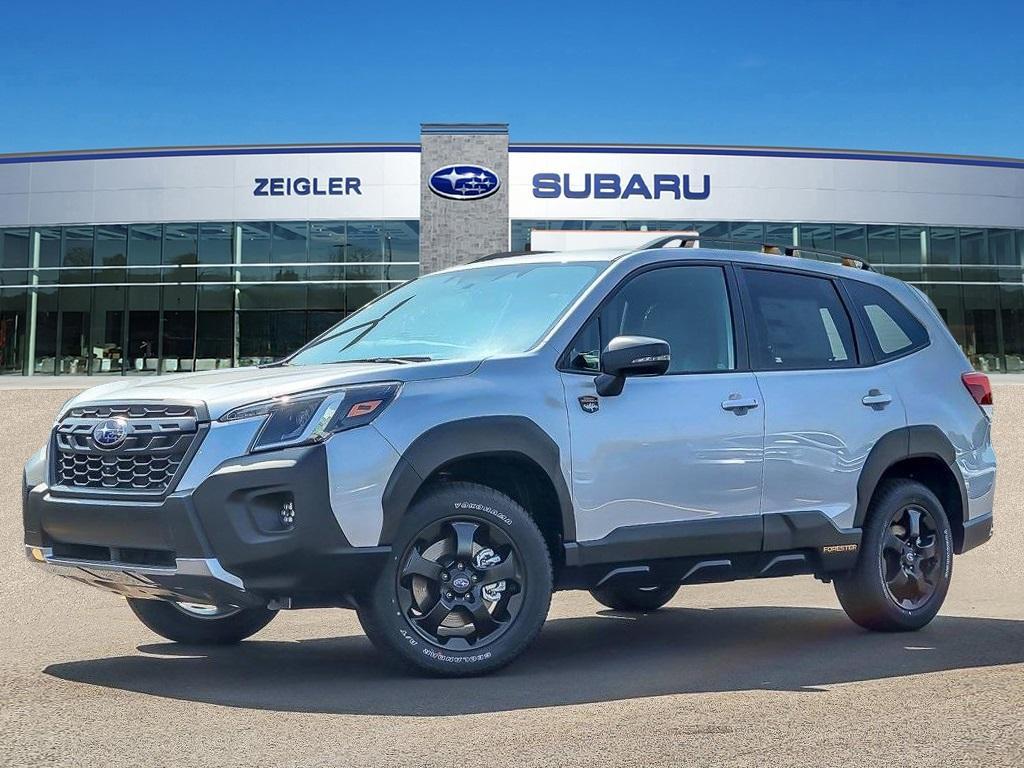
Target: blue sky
[[935, 77]]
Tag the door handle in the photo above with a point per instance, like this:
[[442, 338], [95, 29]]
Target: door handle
[[877, 399], [739, 404]]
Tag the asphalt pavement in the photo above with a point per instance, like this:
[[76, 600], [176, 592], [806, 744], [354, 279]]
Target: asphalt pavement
[[748, 673]]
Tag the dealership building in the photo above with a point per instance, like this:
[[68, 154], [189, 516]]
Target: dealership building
[[155, 261]]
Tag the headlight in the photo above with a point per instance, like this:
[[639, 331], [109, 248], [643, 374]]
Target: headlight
[[311, 417]]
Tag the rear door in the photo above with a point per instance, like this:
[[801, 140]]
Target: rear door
[[826, 403], [675, 449]]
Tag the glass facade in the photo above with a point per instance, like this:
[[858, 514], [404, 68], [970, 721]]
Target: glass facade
[[147, 299], [974, 276]]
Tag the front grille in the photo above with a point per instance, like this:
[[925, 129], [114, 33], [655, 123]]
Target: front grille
[[132, 411], [146, 472], [129, 555], [160, 438]]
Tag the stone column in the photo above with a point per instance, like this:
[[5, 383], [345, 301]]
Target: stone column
[[457, 231]]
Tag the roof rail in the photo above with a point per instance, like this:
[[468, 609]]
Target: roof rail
[[770, 249], [504, 255], [684, 240], [845, 259], [693, 240]]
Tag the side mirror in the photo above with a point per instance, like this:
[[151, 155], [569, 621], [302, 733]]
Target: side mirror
[[631, 356]]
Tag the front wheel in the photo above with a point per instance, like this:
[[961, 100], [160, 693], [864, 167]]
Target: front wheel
[[467, 587], [906, 560], [640, 599], [197, 624]]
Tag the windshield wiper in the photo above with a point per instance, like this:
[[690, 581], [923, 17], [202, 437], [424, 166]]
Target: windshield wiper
[[402, 360], [366, 327]]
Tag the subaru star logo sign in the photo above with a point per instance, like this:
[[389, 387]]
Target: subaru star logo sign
[[464, 182], [110, 433]]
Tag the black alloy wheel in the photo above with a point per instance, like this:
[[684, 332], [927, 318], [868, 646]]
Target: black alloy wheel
[[460, 584], [905, 564], [468, 584], [910, 557]]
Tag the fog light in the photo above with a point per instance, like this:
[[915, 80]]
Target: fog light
[[272, 513], [288, 514], [37, 554]]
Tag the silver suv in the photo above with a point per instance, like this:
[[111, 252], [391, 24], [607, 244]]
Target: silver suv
[[445, 458]]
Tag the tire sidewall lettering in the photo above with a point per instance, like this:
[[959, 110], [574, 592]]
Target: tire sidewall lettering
[[408, 637], [947, 569], [472, 506], [449, 658]]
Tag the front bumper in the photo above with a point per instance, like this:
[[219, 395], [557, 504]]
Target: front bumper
[[222, 542], [191, 579]]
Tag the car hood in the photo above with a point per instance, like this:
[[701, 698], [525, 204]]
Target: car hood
[[223, 390]]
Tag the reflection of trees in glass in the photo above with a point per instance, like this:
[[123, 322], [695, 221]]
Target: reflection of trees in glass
[[358, 295], [215, 243], [289, 244], [364, 241], [284, 274], [77, 252], [266, 335]]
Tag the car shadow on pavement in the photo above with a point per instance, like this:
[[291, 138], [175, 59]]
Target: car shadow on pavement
[[603, 657]]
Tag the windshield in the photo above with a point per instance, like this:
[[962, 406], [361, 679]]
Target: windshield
[[466, 314]]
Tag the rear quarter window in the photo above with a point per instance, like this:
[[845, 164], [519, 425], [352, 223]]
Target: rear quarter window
[[891, 328]]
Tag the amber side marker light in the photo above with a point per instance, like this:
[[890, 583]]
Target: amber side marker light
[[364, 408]]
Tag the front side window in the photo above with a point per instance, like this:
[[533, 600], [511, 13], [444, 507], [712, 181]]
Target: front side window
[[798, 322], [892, 330], [467, 314], [687, 306]]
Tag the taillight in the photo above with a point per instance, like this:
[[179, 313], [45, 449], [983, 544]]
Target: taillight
[[981, 390]]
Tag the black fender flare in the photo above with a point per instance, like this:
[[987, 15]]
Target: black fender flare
[[467, 438], [921, 441]]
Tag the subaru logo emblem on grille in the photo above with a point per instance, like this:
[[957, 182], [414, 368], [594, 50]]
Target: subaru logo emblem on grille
[[464, 182], [110, 433]]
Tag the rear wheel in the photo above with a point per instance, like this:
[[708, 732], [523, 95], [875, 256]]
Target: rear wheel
[[198, 624], [641, 599], [468, 586], [906, 560]]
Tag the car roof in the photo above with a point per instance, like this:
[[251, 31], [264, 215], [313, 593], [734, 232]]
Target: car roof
[[607, 255], [654, 255]]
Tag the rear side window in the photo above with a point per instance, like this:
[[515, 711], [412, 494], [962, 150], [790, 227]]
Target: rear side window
[[892, 330], [799, 322]]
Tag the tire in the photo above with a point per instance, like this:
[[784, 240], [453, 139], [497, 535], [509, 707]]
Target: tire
[[635, 599], [874, 594], [432, 607], [182, 624]]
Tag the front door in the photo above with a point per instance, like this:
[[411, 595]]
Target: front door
[[680, 454]]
